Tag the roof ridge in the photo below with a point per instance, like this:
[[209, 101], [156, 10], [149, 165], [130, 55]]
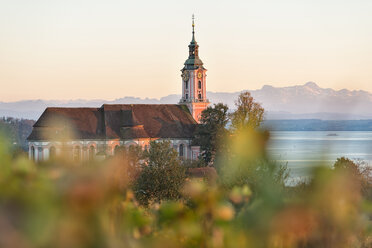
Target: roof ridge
[[71, 108], [145, 104]]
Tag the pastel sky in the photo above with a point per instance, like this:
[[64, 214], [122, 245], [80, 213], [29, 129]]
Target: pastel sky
[[107, 49]]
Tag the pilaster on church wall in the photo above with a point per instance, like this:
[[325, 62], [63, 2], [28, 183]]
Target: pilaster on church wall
[[204, 88], [189, 90], [192, 84], [29, 151], [183, 88], [45, 154]]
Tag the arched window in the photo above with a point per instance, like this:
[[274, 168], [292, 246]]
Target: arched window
[[187, 96], [181, 150], [200, 97], [199, 84], [40, 154], [91, 153], [116, 150], [186, 85], [52, 152], [77, 154], [32, 153]]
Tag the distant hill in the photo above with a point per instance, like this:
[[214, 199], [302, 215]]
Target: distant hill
[[308, 101]]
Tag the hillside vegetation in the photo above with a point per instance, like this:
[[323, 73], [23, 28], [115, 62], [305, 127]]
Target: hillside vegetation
[[150, 202]]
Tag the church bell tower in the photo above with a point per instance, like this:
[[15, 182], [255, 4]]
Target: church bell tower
[[194, 80]]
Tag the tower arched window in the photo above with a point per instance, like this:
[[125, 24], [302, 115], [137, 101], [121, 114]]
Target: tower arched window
[[181, 150], [52, 152], [200, 97], [199, 84], [186, 85]]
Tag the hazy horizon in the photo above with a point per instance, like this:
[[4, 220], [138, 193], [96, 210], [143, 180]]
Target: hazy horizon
[[176, 93], [109, 49]]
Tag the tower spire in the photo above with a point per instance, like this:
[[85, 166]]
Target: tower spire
[[193, 61], [194, 80]]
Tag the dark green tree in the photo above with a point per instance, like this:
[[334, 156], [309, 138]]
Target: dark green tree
[[248, 114], [16, 130], [212, 131], [346, 164], [162, 177], [360, 171]]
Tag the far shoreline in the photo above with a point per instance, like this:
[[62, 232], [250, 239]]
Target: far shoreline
[[318, 125]]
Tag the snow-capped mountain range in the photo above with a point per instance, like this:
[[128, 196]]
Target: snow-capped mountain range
[[308, 101]]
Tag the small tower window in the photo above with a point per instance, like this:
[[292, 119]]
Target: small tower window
[[200, 97], [199, 84], [187, 96], [186, 85]]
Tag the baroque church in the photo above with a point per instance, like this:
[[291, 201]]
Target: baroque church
[[91, 133]]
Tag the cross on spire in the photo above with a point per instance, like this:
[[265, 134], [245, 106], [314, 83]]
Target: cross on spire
[[193, 24], [193, 28]]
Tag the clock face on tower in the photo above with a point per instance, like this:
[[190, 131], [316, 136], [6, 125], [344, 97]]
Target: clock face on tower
[[200, 74], [185, 76]]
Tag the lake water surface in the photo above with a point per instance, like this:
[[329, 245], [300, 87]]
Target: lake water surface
[[302, 151]]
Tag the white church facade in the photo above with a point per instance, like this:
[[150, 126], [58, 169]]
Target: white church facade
[[90, 133]]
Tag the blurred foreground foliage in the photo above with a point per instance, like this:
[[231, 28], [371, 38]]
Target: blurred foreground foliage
[[99, 204]]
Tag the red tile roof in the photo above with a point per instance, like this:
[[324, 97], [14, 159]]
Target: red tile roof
[[121, 121]]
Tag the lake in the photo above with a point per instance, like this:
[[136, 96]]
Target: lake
[[302, 151]]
